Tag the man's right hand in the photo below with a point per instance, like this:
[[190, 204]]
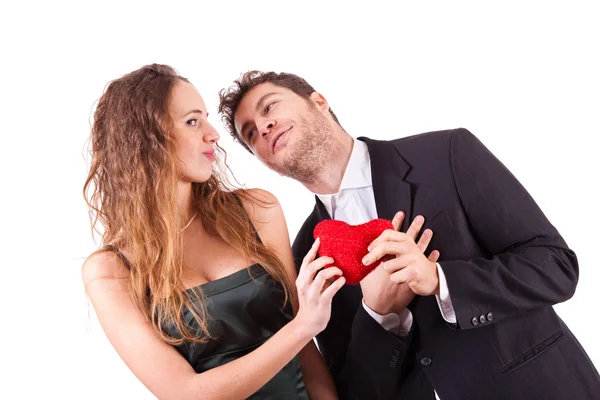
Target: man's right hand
[[382, 295]]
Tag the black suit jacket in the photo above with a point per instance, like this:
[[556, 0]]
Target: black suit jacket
[[505, 266]]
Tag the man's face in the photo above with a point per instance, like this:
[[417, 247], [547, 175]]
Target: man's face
[[289, 134]]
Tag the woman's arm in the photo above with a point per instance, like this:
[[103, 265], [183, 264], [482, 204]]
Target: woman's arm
[[272, 228], [317, 378], [164, 371]]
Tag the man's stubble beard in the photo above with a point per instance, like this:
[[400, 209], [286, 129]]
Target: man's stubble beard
[[313, 150]]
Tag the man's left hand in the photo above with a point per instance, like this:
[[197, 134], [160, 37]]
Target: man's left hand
[[409, 263]]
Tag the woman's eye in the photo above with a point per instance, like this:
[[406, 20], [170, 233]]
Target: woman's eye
[[269, 107], [192, 122], [251, 133]]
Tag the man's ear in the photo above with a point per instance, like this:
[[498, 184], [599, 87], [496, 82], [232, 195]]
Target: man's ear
[[320, 102]]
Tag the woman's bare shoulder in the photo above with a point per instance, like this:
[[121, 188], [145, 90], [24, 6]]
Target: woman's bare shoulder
[[103, 265]]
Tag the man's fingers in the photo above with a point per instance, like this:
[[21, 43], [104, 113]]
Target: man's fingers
[[383, 249], [411, 233], [415, 227], [398, 220], [388, 236], [400, 262], [405, 275], [424, 240], [434, 256], [394, 265]]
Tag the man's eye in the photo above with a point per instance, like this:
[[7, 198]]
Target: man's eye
[[269, 107], [251, 133], [192, 122]]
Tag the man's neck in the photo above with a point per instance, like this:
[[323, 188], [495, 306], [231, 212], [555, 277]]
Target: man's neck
[[330, 178]]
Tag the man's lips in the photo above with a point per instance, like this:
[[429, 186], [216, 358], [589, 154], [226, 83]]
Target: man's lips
[[277, 138]]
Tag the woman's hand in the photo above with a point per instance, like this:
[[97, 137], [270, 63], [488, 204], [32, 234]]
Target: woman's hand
[[316, 287]]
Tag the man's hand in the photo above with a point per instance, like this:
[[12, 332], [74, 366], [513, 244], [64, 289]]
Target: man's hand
[[408, 265], [380, 293]]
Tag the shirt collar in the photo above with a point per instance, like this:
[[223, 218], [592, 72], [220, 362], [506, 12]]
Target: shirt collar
[[358, 171]]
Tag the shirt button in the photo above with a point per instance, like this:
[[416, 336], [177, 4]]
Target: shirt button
[[426, 361]]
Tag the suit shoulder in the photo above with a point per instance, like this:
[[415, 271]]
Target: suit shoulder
[[428, 145], [434, 138]]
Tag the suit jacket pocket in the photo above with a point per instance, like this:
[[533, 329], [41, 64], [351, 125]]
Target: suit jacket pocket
[[527, 336], [531, 354]]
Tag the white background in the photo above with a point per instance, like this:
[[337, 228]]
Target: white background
[[522, 76]]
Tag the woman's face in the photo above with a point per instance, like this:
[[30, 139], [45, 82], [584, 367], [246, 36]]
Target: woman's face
[[194, 135]]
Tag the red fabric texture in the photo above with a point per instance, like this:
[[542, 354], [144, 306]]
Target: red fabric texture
[[347, 245]]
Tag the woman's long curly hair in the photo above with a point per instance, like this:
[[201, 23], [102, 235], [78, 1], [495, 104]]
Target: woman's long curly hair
[[131, 190]]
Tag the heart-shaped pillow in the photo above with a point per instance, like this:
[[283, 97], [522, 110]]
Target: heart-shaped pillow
[[347, 245]]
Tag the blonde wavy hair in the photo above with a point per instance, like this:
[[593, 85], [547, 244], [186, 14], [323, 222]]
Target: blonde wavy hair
[[131, 192]]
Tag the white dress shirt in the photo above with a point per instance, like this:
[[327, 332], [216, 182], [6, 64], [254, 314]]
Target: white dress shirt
[[355, 204]]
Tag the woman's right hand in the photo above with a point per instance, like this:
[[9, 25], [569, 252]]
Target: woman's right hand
[[316, 290]]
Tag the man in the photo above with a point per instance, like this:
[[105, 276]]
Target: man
[[479, 324]]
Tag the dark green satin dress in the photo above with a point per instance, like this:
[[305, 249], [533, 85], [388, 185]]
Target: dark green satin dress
[[245, 310]]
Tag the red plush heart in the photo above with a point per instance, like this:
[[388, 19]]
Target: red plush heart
[[347, 245]]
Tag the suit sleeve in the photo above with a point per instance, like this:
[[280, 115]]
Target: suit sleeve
[[365, 360], [530, 265]]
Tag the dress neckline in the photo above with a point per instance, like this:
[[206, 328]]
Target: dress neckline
[[229, 282]]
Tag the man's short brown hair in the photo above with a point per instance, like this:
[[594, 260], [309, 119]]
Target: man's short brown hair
[[230, 98]]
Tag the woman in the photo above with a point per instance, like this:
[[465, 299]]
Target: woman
[[194, 283]]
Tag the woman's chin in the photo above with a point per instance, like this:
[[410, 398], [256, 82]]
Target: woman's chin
[[196, 178]]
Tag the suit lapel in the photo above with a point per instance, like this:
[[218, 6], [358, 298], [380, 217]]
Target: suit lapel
[[388, 173], [392, 193], [320, 211]]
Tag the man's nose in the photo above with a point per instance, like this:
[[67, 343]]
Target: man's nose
[[265, 126]]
